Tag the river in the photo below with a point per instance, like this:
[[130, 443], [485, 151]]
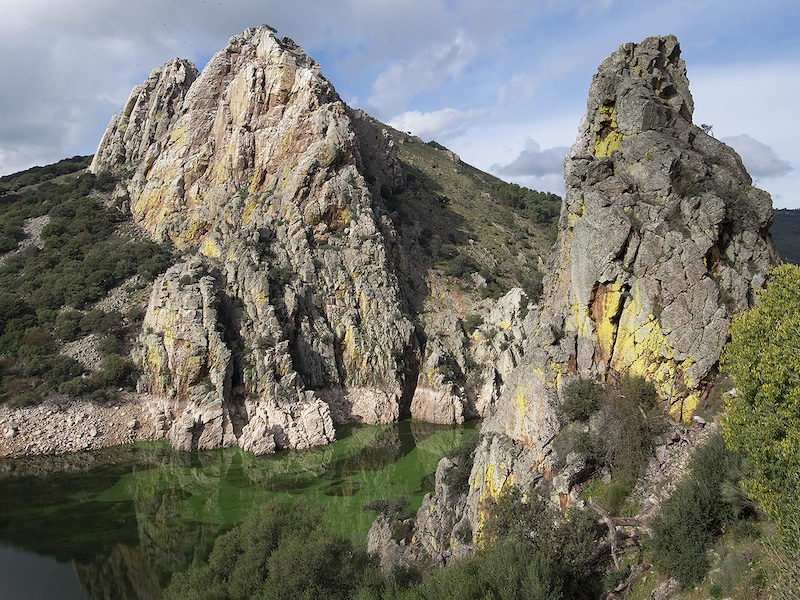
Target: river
[[117, 523]]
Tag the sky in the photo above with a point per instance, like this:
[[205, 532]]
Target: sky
[[503, 83]]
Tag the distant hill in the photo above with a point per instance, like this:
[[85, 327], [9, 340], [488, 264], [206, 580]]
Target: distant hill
[[786, 234]]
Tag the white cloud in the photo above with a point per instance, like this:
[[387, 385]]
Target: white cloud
[[442, 124], [533, 161], [542, 183], [759, 159], [522, 87], [68, 66], [427, 69]]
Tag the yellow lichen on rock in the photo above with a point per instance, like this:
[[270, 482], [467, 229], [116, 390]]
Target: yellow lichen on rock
[[210, 248], [494, 483], [521, 401], [608, 139], [642, 349], [640, 344]]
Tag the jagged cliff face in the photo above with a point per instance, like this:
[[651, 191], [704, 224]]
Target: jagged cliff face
[[291, 314], [662, 238]]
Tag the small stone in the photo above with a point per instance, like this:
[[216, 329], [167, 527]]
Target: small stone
[[699, 421], [667, 590]]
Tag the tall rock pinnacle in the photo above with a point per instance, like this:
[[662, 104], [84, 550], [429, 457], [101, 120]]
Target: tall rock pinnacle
[[289, 314], [662, 238]]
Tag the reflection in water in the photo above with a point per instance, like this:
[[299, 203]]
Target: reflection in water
[[130, 517]]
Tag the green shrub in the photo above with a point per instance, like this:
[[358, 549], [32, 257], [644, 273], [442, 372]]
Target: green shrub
[[639, 390], [35, 342], [612, 496], [582, 398], [471, 322], [610, 427], [55, 369], [280, 552], [696, 513], [77, 386], [109, 345], [115, 371], [511, 570], [101, 322], [569, 543], [68, 325]]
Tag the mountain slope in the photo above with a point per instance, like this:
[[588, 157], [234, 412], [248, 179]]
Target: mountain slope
[[328, 268]]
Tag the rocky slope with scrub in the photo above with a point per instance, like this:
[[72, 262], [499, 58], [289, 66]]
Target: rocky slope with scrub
[[326, 268], [662, 238]]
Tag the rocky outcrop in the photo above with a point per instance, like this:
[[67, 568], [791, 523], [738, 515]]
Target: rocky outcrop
[[662, 238], [290, 314], [138, 132], [186, 358]]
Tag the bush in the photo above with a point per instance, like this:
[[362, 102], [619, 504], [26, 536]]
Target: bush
[[570, 542], [109, 345], [511, 570], [114, 371], [582, 398], [763, 420], [68, 325], [696, 513], [609, 427], [281, 551], [101, 322], [55, 369]]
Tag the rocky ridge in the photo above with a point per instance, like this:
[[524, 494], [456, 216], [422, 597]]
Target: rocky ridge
[[253, 166], [294, 306], [662, 238]]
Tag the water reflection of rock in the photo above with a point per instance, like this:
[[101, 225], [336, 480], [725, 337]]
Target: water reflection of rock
[[168, 541], [149, 455], [129, 518]]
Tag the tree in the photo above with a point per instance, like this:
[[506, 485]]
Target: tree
[[763, 418], [283, 551]]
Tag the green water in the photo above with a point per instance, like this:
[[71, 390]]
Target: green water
[[126, 518]]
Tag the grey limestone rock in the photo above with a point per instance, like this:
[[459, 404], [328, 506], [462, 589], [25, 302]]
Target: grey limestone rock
[[269, 183], [662, 238]]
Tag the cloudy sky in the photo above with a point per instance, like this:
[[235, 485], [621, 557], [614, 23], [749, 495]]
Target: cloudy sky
[[501, 82]]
